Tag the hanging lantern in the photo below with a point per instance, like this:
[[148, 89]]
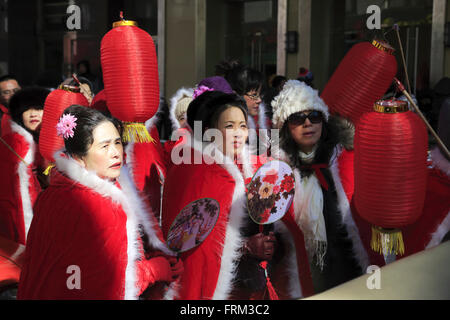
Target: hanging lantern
[[361, 79], [130, 74], [55, 104], [390, 172], [99, 102]]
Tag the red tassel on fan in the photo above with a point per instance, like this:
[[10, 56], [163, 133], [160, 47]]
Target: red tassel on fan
[[130, 75], [272, 293], [362, 78], [57, 101]]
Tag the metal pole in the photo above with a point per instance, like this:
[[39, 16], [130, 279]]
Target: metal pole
[[416, 60]]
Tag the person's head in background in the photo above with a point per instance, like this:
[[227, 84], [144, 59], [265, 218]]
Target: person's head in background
[[27, 107], [96, 142], [83, 67], [278, 82], [223, 67], [247, 83], [86, 87], [8, 86], [306, 76]]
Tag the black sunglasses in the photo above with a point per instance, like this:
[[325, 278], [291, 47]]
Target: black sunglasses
[[299, 119]]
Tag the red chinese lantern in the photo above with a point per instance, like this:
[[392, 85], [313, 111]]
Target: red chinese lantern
[[390, 172], [57, 101], [361, 79], [130, 75]]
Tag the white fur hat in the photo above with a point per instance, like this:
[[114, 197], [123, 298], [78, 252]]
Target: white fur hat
[[296, 96]]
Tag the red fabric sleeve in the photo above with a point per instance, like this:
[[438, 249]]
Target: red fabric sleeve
[[347, 172]]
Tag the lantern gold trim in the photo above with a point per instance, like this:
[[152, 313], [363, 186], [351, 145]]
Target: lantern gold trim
[[68, 88], [392, 106], [122, 23], [387, 241], [383, 46], [135, 132]]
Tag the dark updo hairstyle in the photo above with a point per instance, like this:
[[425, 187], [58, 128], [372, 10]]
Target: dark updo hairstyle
[[87, 120], [208, 107], [243, 79], [26, 99]]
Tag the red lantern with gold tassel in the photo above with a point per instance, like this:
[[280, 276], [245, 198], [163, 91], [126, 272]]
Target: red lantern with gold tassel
[[57, 101], [390, 172], [361, 79], [130, 75]]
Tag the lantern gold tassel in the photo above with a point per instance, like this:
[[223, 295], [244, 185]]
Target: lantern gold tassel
[[387, 241], [49, 168], [136, 132]]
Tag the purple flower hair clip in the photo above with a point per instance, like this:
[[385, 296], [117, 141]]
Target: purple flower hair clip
[[200, 90], [66, 125]]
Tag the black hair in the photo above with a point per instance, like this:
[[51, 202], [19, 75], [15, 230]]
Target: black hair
[[243, 79], [87, 120], [329, 139], [208, 107], [225, 66], [277, 81], [86, 64], [7, 77], [82, 80], [26, 99]]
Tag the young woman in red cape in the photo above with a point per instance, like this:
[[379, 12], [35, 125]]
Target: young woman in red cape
[[319, 148], [20, 163], [86, 238], [217, 165]]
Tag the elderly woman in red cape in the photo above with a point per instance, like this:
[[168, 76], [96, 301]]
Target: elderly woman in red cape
[[20, 162], [91, 236], [217, 268]]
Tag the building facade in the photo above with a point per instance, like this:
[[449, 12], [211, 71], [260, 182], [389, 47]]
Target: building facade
[[192, 36]]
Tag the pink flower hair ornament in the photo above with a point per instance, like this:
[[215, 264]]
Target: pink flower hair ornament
[[66, 125], [200, 90]]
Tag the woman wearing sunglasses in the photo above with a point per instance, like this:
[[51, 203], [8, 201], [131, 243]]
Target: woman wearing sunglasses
[[318, 147]]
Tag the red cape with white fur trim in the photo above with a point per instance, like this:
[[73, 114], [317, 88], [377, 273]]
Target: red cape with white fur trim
[[210, 268], [91, 225], [19, 186]]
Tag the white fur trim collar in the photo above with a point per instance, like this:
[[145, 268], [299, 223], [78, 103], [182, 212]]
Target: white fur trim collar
[[440, 162], [25, 173], [182, 92], [440, 233]]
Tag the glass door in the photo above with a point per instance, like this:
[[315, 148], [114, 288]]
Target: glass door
[[249, 33]]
